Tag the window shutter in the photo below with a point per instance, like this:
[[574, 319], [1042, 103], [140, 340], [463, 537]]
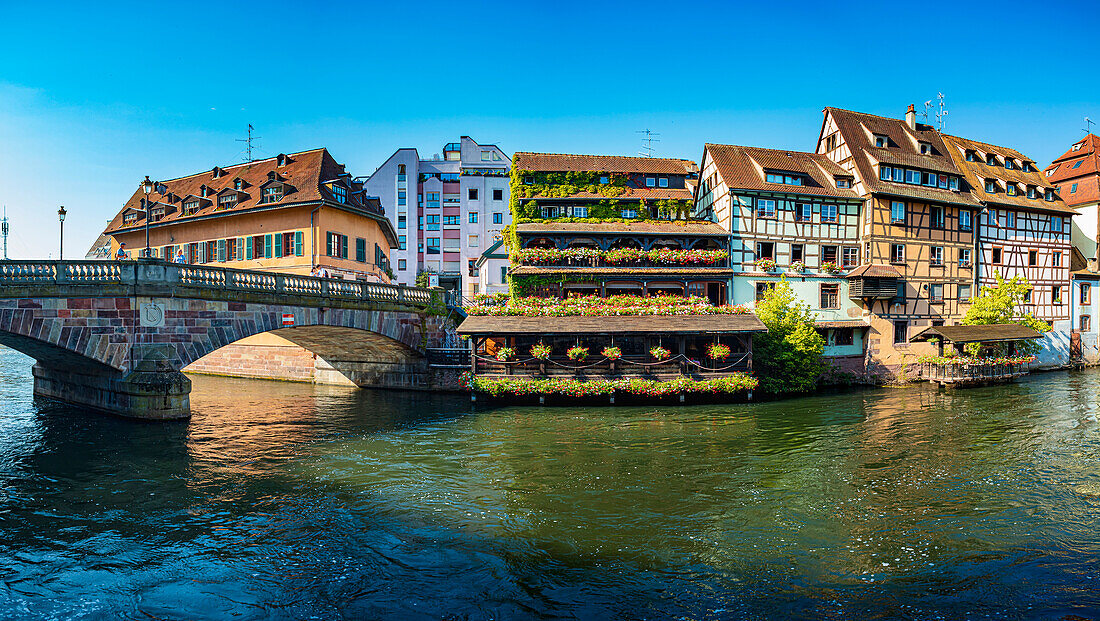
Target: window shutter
[[240, 249], [298, 250], [343, 246], [221, 250], [328, 244], [267, 246], [278, 245], [248, 247]]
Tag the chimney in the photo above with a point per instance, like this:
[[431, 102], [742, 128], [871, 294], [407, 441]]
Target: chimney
[[911, 117], [1092, 264]]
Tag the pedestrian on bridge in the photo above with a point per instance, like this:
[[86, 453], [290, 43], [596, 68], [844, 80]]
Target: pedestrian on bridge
[[180, 257], [122, 254]]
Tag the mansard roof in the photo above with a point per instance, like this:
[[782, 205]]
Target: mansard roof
[[303, 172], [566, 162], [746, 167], [1079, 165]]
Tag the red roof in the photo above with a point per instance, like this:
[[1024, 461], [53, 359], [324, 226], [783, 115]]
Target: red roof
[[304, 175], [1077, 172], [744, 168]]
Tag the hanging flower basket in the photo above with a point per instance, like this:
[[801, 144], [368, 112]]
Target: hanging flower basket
[[505, 354], [659, 353], [612, 353], [540, 351], [718, 351], [577, 353]]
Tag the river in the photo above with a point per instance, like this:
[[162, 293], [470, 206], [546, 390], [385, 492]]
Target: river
[[281, 500]]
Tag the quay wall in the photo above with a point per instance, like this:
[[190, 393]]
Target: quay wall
[[268, 356]]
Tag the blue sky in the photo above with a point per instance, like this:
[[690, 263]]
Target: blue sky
[[94, 97]]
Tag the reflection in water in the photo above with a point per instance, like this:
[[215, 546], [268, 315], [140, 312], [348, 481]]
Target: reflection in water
[[288, 501]]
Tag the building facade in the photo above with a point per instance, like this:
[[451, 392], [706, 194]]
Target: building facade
[[290, 213], [1076, 179], [448, 212], [918, 218], [791, 216]]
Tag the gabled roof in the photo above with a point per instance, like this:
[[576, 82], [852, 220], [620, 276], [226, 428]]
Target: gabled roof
[[859, 130], [978, 171], [1080, 165], [565, 162], [746, 167], [304, 172]]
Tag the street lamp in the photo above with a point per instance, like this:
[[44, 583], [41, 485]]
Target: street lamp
[[61, 241], [147, 187]]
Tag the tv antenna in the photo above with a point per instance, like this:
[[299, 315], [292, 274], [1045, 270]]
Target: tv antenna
[[5, 229], [1088, 125], [941, 114], [647, 142], [248, 142]]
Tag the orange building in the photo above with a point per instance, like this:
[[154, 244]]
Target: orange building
[[291, 213]]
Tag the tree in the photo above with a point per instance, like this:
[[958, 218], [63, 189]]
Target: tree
[[788, 357], [1002, 303]]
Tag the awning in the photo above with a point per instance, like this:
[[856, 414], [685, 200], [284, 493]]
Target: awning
[[989, 333], [619, 324]]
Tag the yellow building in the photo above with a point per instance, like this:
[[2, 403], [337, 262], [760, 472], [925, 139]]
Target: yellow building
[[291, 213]]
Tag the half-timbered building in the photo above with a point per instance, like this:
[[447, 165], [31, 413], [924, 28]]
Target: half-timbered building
[[790, 215], [918, 218], [1024, 227], [1075, 176]]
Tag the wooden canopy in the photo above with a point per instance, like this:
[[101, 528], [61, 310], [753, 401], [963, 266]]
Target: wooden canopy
[[990, 333], [617, 324]]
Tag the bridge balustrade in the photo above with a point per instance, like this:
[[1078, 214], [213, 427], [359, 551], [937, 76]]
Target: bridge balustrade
[[154, 272]]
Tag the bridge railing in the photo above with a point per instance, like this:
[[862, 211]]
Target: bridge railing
[[160, 273]]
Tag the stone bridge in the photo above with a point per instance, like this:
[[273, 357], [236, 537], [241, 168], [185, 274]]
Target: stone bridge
[[114, 336]]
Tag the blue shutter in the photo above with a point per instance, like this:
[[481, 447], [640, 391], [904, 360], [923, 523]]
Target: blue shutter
[[298, 246], [267, 246], [248, 248], [278, 245], [221, 250]]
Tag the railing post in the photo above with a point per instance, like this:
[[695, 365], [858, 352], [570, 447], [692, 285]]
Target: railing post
[[280, 283]]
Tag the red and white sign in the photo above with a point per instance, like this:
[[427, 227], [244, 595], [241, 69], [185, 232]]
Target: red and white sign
[[288, 320]]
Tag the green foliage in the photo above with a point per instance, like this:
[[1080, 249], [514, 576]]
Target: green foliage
[[1003, 303], [787, 358], [566, 184]]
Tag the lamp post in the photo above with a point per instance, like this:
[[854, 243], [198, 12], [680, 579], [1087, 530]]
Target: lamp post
[[61, 241], [147, 187]]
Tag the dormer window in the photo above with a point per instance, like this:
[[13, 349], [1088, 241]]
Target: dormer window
[[129, 217], [1009, 163], [238, 184], [1077, 147], [784, 178], [1048, 194], [1032, 192], [1028, 167], [271, 175], [156, 214], [991, 159], [273, 194], [882, 141], [926, 148], [190, 207], [662, 182], [971, 155], [990, 186], [650, 182], [217, 172], [227, 200], [1010, 189], [1051, 171], [204, 191], [340, 192], [280, 160], [843, 183]]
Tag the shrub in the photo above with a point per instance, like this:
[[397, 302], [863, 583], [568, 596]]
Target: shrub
[[787, 358]]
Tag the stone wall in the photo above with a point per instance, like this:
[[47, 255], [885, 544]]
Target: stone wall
[[268, 356]]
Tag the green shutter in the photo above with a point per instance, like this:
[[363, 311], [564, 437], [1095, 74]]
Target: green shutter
[[240, 249], [267, 246], [248, 247], [221, 250], [299, 250], [278, 245]]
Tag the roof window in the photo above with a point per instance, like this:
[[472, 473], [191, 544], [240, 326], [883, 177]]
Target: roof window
[[882, 141], [926, 148]]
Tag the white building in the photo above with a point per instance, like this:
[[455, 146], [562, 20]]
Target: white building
[[448, 212]]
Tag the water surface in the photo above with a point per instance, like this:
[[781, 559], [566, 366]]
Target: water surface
[[291, 501]]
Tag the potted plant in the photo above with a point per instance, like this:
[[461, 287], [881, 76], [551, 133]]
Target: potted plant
[[659, 353], [718, 351], [577, 353], [612, 353], [504, 354], [766, 265], [540, 351]]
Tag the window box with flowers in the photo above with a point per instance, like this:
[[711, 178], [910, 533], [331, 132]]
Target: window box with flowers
[[830, 268], [765, 265]]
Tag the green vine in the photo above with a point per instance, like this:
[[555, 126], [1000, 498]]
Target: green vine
[[523, 285], [567, 184]]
